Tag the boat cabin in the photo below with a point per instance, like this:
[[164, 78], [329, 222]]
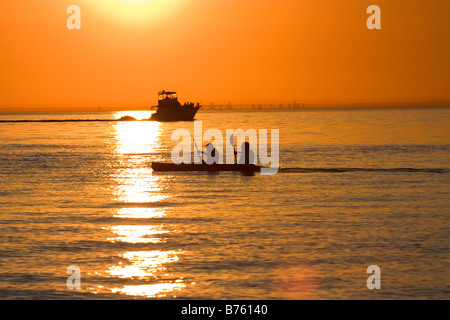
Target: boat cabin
[[167, 95]]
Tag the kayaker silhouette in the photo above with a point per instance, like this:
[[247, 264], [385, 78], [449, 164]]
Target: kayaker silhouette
[[212, 154], [247, 155]]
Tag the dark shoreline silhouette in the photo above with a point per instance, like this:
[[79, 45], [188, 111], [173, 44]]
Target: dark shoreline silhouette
[[124, 119]]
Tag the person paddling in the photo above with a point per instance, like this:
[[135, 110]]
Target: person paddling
[[247, 155], [211, 153]]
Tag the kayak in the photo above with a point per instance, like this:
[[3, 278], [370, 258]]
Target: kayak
[[170, 167]]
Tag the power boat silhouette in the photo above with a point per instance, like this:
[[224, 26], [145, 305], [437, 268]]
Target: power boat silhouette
[[170, 109]]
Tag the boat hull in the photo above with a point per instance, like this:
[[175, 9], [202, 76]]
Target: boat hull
[[171, 167], [182, 114]]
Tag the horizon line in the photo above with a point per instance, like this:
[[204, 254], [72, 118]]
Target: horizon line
[[232, 106]]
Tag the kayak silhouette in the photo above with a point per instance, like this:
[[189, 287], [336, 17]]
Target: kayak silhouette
[[171, 167]]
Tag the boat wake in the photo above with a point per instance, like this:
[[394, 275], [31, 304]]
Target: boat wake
[[342, 170], [127, 118]]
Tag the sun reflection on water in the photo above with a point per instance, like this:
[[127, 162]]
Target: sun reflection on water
[[134, 145], [158, 290], [144, 263], [139, 213], [149, 266], [138, 195], [138, 114], [138, 233], [137, 137]]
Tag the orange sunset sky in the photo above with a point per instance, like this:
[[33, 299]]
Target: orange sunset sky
[[241, 51]]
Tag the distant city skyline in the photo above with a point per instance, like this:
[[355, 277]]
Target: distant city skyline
[[226, 106]]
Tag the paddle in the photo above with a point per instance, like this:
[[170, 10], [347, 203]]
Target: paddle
[[234, 150], [198, 151]]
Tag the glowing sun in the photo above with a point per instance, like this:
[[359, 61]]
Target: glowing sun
[[136, 11]]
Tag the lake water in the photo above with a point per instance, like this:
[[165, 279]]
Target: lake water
[[84, 193]]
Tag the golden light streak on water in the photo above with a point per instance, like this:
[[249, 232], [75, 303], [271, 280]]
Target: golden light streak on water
[[144, 263], [137, 188], [139, 213], [138, 233], [157, 290]]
